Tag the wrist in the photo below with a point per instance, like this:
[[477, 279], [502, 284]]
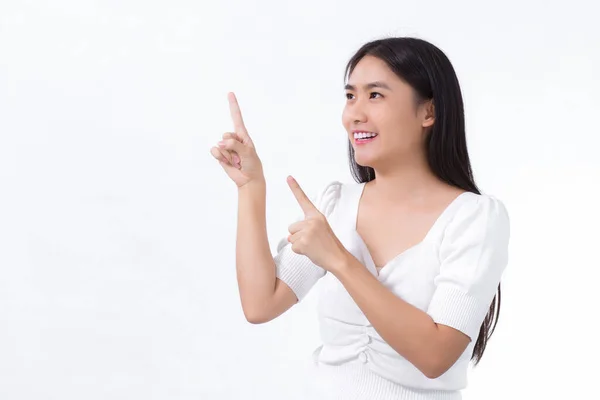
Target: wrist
[[257, 185], [344, 263]]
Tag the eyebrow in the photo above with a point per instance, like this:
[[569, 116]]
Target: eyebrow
[[371, 85]]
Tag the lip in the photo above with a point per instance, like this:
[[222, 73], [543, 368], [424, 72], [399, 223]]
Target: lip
[[361, 142], [362, 130]]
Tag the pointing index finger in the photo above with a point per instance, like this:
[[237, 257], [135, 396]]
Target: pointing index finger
[[307, 206], [236, 115]]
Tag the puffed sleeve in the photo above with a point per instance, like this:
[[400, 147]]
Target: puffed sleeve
[[297, 270], [473, 255]]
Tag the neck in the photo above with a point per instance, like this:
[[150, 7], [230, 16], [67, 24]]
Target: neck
[[409, 181]]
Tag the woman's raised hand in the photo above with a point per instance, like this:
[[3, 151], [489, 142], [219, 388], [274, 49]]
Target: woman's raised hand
[[236, 152]]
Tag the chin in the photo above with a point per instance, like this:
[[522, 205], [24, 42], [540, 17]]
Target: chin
[[364, 160]]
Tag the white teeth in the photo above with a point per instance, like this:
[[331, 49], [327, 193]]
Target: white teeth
[[362, 135]]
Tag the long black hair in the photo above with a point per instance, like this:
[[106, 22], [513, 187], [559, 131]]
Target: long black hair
[[430, 73]]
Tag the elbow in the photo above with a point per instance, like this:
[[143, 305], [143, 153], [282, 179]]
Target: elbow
[[258, 310], [256, 318], [255, 321], [434, 373], [435, 369]]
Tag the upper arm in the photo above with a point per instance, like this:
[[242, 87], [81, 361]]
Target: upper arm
[[296, 274], [473, 256], [283, 298]]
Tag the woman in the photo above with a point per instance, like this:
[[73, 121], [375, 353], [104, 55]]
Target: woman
[[410, 257]]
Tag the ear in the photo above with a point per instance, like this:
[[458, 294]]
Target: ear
[[429, 118]]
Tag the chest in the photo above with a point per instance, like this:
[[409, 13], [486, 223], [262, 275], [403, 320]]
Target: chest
[[409, 275], [390, 234], [409, 272]]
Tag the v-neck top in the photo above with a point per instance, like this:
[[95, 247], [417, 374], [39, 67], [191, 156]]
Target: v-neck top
[[360, 188], [452, 275]]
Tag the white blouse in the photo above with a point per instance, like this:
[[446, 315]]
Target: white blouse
[[452, 275]]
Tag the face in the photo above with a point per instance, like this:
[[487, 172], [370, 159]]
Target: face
[[388, 110]]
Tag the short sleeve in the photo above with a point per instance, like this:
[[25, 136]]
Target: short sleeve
[[473, 256], [296, 270]]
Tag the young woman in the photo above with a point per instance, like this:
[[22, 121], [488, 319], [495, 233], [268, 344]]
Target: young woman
[[410, 257]]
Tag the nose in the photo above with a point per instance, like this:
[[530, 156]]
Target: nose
[[356, 113]]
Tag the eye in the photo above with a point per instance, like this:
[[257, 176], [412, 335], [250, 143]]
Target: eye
[[350, 94]]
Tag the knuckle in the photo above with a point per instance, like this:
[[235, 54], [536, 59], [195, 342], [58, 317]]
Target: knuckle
[[225, 154], [231, 135], [236, 144]]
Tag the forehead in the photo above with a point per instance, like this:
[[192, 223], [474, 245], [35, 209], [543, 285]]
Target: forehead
[[371, 69]]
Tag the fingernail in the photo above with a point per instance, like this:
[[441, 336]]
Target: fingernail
[[221, 143], [236, 159]]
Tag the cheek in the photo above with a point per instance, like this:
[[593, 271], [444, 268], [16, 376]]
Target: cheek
[[345, 118], [400, 128], [389, 121]]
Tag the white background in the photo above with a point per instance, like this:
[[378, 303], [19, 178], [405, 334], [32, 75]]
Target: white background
[[117, 227]]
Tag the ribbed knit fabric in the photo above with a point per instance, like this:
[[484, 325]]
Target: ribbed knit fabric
[[354, 381], [452, 275]]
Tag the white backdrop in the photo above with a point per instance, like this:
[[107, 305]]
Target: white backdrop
[[117, 227]]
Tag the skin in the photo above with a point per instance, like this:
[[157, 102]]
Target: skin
[[401, 203], [405, 187], [432, 348], [395, 213], [405, 191]]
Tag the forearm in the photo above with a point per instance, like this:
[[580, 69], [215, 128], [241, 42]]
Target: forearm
[[407, 329], [255, 267]]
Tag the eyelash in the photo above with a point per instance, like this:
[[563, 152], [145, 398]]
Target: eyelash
[[371, 93]]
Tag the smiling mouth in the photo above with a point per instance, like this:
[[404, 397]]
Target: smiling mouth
[[364, 140]]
